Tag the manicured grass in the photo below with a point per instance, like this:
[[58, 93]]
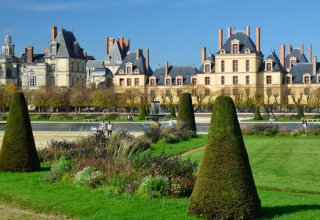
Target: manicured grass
[[179, 147]]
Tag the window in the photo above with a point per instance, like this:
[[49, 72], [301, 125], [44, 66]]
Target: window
[[318, 78], [235, 65], [207, 68], [207, 92], [293, 61], [129, 69], [168, 81], [179, 92], [306, 79], [1, 72], [121, 82], [268, 67], [235, 91], [72, 66], [222, 80], [52, 67], [179, 81], [247, 65], [269, 91], [222, 51], [83, 68], [235, 80], [288, 80], [121, 71], [53, 49], [269, 79], [247, 80], [9, 73], [222, 66], [152, 82], [136, 71], [128, 82], [247, 50], [235, 48], [32, 80], [207, 80], [194, 81], [78, 66], [307, 91], [136, 81]]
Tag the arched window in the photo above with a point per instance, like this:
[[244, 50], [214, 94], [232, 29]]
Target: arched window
[[129, 69], [168, 81], [179, 81], [136, 71], [194, 81], [306, 79], [269, 67], [32, 80], [207, 68], [121, 71], [288, 80], [152, 82]]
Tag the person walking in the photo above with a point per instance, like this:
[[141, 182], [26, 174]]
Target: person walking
[[109, 128], [304, 124], [102, 128]]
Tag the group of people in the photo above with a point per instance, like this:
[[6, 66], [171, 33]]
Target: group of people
[[130, 117], [102, 128]]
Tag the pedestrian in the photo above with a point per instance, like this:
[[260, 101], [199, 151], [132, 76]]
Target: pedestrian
[[102, 128], [132, 117], [171, 124], [304, 124], [109, 128], [129, 117]]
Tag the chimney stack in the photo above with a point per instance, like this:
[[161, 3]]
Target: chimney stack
[[46, 50], [258, 39], [121, 43], [229, 32], [314, 65], [138, 53], [220, 38], [53, 33], [302, 48], [29, 54], [248, 31], [147, 60], [289, 48], [310, 53], [203, 54], [109, 44], [167, 68], [127, 44], [282, 55]]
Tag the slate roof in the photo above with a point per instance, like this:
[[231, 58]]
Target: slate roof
[[139, 64], [301, 58], [91, 64], [211, 58], [67, 45], [185, 71], [100, 71], [36, 58], [276, 66], [114, 54], [244, 43], [299, 69]]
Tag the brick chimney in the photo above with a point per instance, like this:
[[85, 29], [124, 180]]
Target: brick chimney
[[258, 39], [314, 65], [282, 55], [138, 53], [229, 32], [127, 43], [310, 53], [248, 31], [220, 38], [29, 54], [121, 43], [289, 48], [109, 44], [147, 60], [167, 68], [46, 50], [53, 33], [203, 54], [302, 48]]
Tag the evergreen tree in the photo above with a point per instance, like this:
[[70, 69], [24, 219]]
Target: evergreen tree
[[172, 111], [257, 115], [143, 113], [225, 188], [18, 151], [300, 112], [186, 112]]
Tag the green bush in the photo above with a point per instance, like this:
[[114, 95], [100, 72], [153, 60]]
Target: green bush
[[143, 113], [300, 113], [186, 112], [172, 111], [257, 115], [154, 186], [58, 169], [225, 188], [18, 151]]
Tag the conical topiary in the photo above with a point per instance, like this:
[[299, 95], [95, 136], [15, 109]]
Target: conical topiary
[[172, 111], [143, 113], [300, 112], [225, 187], [257, 115], [186, 112], [18, 151]]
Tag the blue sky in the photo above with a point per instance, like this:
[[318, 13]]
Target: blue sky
[[174, 30]]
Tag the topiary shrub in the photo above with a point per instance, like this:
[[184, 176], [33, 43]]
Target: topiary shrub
[[143, 113], [257, 115], [172, 111], [186, 112], [300, 113], [225, 188], [18, 151]]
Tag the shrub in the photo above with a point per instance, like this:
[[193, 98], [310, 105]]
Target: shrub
[[87, 175], [225, 187], [257, 115], [58, 169], [143, 113], [186, 112], [262, 130], [154, 186], [172, 111], [18, 151], [153, 133], [300, 113]]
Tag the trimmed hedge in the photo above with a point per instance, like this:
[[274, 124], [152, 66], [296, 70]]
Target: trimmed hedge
[[143, 112], [186, 112], [257, 115], [225, 188], [300, 113], [18, 151], [172, 111]]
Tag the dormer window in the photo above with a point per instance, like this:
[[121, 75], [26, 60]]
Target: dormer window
[[288, 79], [222, 51], [306, 79], [207, 68], [179, 80], [247, 50], [193, 80], [168, 81], [121, 71], [107, 59], [293, 61], [136, 71], [152, 81], [129, 68], [235, 46], [268, 67]]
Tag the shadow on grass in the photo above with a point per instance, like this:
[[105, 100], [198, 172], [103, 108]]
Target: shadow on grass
[[46, 168], [270, 212]]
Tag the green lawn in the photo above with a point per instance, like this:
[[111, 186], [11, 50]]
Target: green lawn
[[286, 172]]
